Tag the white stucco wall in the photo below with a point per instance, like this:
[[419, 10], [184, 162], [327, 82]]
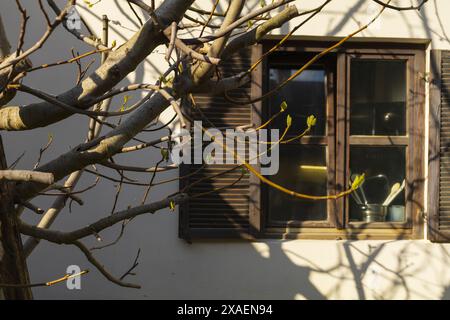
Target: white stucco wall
[[169, 267]]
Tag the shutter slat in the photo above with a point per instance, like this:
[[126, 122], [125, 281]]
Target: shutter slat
[[441, 101], [444, 184], [224, 213]]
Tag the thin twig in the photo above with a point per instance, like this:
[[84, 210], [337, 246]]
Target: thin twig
[[133, 266], [45, 284]]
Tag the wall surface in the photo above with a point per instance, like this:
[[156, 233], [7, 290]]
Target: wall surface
[[169, 268]]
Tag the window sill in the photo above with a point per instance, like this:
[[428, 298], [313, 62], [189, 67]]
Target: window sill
[[344, 234], [306, 234]]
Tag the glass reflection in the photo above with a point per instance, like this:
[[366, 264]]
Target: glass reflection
[[305, 96], [303, 169], [378, 97]]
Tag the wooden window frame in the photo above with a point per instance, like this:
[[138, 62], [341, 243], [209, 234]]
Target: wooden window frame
[[414, 53]]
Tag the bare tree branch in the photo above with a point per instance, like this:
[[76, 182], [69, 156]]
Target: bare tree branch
[[27, 176], [88, 40], [224, 31], [256, 34], [43, 39], [114, 141], [118, 65], [101, 268], [398, 8], [44, 284], [96, 227], [32, 207], [204, 71], [193, 70]]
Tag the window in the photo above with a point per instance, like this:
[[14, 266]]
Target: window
[[368, 98], [367, 108], [305, 165], [378, 136]]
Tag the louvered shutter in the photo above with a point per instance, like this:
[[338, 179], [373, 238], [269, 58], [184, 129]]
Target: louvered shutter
[[439, 147], [225, 213]]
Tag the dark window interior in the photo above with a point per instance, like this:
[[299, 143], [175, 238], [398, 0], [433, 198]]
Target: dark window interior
[[378, 97], [304, 95], [302, 168]]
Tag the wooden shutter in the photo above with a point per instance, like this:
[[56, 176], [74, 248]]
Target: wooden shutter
[[225, 213], [439, 148]]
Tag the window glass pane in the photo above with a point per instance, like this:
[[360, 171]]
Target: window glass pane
[[305, 96], [385, 173], [302, 169], [378, 97]]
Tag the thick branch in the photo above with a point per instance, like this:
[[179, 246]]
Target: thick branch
[[225, 31], [27, 176], [204, 70], [223, 85], [256, 34], [112, 143], [118, 65]]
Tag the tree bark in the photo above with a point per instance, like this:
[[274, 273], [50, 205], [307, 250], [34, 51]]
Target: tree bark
[[13, 267]]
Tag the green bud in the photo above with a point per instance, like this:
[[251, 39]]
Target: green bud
[[288, 121], [358, 181], [311, 121]]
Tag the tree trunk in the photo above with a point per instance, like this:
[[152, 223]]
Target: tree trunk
[[13, 267]]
